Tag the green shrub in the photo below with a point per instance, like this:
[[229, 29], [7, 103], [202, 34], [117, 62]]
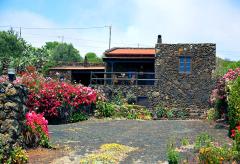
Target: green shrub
[[212, 114], [161, 111], [79, 116], [203, 140], [104, 109], [185, 141], [234, 103], [181, 114], [17, 156], [172, 155], [170, 114], [133, 112], [118, 98], [216, 155]]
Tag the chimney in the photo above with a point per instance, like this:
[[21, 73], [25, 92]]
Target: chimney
[[159, 40]]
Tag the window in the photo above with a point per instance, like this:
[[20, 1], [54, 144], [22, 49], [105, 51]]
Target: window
[[184, 64]]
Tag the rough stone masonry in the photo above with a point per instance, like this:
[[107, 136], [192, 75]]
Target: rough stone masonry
[[12, 116], [195, 85]]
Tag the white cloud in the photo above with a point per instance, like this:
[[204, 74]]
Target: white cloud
[[177, 21], [191, 21]]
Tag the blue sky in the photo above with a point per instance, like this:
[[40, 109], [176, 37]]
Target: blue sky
[[134, 22]]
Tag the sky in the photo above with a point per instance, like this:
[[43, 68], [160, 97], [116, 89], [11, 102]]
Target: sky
[[135, 23]]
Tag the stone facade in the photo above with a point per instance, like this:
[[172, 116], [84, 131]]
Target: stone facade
[[189, 91], [195, 85], [12, 115]]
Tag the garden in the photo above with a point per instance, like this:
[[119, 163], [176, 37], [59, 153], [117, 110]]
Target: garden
[[25, 118]]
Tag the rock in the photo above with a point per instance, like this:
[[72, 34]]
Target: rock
[[9, 105], [11, 92], [12, 109], [155, 94]]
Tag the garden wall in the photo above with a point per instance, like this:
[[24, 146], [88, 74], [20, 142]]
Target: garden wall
[[12, 115], [153, 95]]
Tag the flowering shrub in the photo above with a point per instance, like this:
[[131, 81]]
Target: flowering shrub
[[232, 74], [3, 79], [18, 156], [234, 103], [219, 97], [38, 126], [58, 98], [216, 155], [234, 131]]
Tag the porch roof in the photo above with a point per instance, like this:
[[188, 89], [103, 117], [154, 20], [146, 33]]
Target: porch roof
[[78, 68]]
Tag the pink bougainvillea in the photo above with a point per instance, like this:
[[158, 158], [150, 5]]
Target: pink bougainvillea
[[37, 123], [53, 95], [232, 74], [3, 79]]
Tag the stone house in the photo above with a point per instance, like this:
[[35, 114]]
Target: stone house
[[176, 75]]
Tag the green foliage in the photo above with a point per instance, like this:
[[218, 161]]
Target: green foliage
[[170, 114], [172, 155], [17, 156], [181, 114], [118, 98], [222, 66], [132, 112], [216, 155], [161, 111], [237, 142], [203, 140], [66, 52], [212, 114], [11, 47], [184, 141], [93, 58], [51, 45], [104, 109], [79, 116], [234, 103]]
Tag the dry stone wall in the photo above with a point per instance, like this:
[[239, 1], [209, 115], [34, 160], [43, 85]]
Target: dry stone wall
[[12, 115]]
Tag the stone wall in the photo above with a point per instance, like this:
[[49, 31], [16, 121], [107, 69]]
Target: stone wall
[[12, 115], [154, 97], [196, 85]]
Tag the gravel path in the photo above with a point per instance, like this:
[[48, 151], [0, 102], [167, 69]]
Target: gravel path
[[150, 137]]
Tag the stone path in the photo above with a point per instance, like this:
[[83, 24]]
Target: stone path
[[150, 137]]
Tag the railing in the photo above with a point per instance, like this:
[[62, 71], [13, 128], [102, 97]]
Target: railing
[[85, 64], [123, 78]]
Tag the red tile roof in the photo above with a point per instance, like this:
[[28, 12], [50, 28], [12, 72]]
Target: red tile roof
[[130, 52]]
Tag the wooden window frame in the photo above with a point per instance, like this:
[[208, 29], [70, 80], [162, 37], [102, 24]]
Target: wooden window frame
[[185, 61]]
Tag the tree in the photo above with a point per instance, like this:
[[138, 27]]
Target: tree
[[93, 58], [11, 47], [66, 52], [51, 45]]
